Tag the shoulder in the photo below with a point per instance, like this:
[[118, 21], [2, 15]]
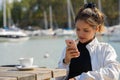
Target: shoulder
[[105, 45], [99, 44], [107, 48]]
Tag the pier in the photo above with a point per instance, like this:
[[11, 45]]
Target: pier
[[12, 73]]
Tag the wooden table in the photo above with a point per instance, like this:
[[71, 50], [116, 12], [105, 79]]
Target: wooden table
[[12, 73]]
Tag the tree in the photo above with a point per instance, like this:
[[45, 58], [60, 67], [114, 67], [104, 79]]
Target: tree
[[16, 12], [30, 12]]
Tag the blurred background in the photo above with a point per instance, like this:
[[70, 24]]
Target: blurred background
[[38, 28]]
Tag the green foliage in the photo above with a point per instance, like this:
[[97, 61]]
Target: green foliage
[[16, 12], [30, 12]]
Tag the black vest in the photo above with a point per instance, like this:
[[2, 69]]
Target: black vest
[[80, 64]]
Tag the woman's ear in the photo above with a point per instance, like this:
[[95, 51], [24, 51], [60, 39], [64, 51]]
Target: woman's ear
[[97, 28]]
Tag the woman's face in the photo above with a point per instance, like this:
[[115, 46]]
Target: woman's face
[[84, 31]]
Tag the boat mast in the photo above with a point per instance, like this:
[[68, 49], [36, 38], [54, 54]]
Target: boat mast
[[51, 21], [119, 11], [69, 14], [99, 5], [9, 18], [45, 20], [85, 1], [72, 11], [4, 14]]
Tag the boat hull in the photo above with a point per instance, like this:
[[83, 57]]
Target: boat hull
[[3, 39]]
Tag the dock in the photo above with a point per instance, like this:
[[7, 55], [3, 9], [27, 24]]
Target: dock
[[12, 73]]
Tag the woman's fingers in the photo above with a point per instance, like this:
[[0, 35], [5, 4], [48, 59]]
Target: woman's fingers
[[73, 52], [75, 55]]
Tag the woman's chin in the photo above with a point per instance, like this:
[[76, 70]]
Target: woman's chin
[[82, 41]]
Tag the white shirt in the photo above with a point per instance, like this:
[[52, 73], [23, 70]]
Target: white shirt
[[103, 60]]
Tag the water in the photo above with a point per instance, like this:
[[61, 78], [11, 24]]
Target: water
[[37, 48]]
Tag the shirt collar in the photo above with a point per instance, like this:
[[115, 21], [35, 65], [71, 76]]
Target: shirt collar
[[93, 43]]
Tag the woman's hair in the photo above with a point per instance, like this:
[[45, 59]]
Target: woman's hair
[[90, 14]]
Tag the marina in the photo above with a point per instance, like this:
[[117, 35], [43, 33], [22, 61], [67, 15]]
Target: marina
[[46, 51], [33, 34]]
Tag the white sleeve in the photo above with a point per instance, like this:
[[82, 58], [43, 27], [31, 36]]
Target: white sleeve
[[110, 70], [61, 65]]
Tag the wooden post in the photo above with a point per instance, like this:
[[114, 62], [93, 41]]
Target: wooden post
[[58, 72]]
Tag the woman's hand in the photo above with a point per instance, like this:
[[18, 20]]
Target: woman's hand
[[71, 52]]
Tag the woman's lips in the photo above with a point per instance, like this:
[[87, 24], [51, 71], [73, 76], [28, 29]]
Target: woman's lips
[[81, 38]]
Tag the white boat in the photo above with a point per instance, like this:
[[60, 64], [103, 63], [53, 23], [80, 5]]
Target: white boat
[[47, 32], [114, 33], [115, 30], [12, 35], [64, 32]]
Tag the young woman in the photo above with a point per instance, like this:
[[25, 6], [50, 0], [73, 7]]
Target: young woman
[[89, 59]]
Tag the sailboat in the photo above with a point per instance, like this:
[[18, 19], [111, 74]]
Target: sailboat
[[114, 31], [69, 31], [11, 33], [48, 32]]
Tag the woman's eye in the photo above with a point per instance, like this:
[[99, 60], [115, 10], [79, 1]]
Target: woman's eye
[[77, 29], [86, 30]]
